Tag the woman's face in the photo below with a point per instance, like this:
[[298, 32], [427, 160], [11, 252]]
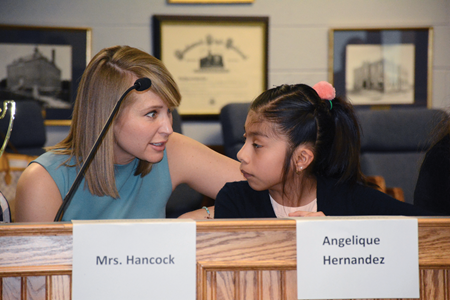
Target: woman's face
[[142, 129], [262, 156]]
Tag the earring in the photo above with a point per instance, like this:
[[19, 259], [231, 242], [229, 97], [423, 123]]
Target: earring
[[299, 171]]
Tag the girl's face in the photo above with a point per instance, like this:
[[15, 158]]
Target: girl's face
[[142, 129], [263, 154]]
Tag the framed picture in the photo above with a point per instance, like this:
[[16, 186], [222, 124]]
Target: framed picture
[[384, 66], [44, 64], [214, 60]]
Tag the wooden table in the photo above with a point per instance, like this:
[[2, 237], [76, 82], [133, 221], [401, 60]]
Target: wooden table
[[236, 259]]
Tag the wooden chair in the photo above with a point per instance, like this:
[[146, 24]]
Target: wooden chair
[[394, 192], [11, 167]]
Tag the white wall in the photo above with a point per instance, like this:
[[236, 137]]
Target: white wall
[[298, 32]]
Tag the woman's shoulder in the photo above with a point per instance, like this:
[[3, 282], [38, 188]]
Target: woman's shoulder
[[53, 162], [198, 165], [176, 139], [50, 158], [179, 147]]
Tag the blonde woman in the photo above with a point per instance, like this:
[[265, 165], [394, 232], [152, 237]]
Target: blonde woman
[[140, 160]]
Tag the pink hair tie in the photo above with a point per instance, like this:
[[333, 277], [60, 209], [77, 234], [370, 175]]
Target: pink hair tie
[[325, 90]]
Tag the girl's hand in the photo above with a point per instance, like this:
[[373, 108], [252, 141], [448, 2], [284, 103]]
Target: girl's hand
[[301, 213]]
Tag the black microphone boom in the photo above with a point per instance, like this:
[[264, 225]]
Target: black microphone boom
[[139, 85]]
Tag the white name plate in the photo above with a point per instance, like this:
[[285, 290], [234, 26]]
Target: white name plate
[[357, 257], [134, 259]]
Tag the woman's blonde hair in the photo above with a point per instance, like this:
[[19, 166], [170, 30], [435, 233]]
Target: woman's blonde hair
[[109, 74]]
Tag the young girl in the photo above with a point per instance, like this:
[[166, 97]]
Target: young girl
[[301, 158]]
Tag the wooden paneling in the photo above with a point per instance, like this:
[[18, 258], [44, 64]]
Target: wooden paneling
[[236, 259]]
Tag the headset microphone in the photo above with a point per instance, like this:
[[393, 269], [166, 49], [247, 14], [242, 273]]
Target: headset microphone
[[142, 84]]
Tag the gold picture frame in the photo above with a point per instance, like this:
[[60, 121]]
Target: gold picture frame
[[214, 60], [382, 66], [61, 53]]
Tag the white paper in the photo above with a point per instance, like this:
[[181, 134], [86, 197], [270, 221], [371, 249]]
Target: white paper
[[134, 259], [357, 257]]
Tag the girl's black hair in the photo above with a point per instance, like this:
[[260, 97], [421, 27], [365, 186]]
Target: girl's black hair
[[331, 128]]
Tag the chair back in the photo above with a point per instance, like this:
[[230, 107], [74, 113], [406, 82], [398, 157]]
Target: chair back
[[232, 120], [28, 135], [176, 125], [394, 142], [5, 210]]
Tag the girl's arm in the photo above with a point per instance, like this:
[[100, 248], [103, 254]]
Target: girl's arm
[[202, 168], [37, 196]]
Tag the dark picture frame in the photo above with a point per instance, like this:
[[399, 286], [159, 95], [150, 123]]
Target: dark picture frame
[[45, 64], [382, 66], [214, 60]]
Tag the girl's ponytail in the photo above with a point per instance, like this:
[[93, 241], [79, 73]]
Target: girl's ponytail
[[338, 140]]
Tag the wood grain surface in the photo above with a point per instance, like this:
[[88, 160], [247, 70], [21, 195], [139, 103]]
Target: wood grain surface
[[236, 259]]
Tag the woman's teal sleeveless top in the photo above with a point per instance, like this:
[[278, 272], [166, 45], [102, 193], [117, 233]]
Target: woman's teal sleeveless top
[[140, 197]]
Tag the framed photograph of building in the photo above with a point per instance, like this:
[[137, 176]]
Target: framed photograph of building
[[44, 64], [214, 60], [382, 66]]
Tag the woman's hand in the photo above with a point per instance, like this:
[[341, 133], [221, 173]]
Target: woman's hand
[[301, 213], [199, 214]]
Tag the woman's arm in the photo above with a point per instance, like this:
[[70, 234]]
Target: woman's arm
[[37, 196], [199, 214], [202, 168]]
